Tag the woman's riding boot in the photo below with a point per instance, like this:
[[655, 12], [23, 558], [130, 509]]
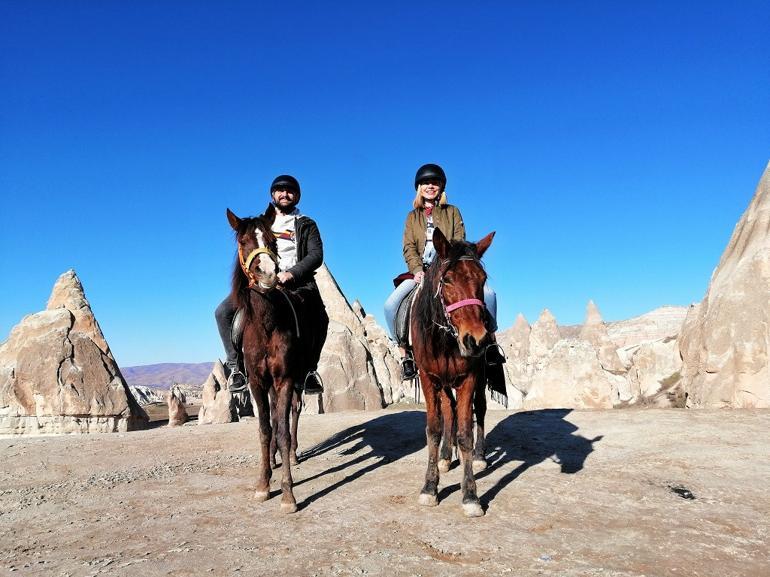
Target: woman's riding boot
[[493, 355], [495, 373]]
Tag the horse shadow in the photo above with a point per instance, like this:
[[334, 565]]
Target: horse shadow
[[528, 437], [387, 439], [531, 437]]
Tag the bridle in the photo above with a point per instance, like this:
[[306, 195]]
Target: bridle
[[448, 309], [246, 265]]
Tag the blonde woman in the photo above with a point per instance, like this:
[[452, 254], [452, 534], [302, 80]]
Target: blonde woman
[[430, 211]]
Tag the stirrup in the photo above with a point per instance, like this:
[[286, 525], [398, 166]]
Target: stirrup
[[408, 367], [313, 383], [494, 355], [237, 381]]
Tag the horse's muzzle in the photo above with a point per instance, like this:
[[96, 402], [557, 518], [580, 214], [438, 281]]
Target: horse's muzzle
[[471, 346], [269, 285]]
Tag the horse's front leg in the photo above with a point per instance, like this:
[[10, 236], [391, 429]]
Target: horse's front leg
[[296, 409], [450, 429], [265, 438], [471, 505], [284, 393], [429, 493], [480, 410]]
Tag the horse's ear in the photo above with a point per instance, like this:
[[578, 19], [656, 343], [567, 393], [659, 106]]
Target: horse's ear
[[235, 222], [483, 244], [440, 243], [269, 215]]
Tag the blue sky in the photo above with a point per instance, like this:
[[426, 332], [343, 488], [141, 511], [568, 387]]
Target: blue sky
[[612, 146]]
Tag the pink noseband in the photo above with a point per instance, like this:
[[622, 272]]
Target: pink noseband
[[464, 303]]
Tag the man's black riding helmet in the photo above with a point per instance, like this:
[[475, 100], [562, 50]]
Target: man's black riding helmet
[[430, 172], [285, 181]]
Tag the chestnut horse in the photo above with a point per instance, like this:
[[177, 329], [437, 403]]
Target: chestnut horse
[[449, 334], [273, 356]]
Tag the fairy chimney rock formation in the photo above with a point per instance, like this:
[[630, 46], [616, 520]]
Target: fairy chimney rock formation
[[177, 413], [337, 306], [216, 406], [358, 309], [518, 336], [57, 374], [724, 342], [593, 316], [571, 377], [358, 364], [594, 330], [544, 335]]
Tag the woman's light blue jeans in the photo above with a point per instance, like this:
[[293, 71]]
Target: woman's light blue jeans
[[395, 298]]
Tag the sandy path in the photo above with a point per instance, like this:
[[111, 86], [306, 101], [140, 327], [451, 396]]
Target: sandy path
[[568, 493]]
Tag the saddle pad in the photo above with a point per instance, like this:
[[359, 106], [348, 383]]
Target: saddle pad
[[402, 318]]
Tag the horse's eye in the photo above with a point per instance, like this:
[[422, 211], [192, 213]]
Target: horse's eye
[[447, 280]]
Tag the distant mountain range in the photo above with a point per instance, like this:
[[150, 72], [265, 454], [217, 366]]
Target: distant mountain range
[[163, 375]]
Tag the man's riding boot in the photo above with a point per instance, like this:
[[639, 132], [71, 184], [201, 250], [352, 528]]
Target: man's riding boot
[[313, 384], [236, 380], [408, 366]]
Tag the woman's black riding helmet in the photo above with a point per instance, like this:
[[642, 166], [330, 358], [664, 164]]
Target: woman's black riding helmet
[[430, 172]]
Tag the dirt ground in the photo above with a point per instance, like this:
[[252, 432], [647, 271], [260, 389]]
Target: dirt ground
[[612, 493]]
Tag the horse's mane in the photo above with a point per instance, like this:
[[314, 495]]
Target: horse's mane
[[240, 293], [427, 307]]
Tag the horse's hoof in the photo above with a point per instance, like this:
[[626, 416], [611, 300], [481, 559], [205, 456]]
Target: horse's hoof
[[275, 465], [428, 500], [288, 507], [479, 464], [473, 510], [260, 496], [443, 465]]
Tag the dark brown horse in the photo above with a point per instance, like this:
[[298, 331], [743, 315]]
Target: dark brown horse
[[273, 355], [449, 334]]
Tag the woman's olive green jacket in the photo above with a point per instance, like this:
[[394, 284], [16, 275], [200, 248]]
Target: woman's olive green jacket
[[446, 217]]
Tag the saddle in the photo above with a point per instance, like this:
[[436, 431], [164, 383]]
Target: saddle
[[402, 318], [236, 331]]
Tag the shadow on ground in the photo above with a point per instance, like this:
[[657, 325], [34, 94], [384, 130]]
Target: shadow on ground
[[528, 438], [387, 438]]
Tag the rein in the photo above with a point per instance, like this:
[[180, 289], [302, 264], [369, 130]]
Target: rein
[[448, 309]]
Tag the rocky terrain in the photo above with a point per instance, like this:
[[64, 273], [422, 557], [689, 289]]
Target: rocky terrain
[[712, 354], [623, 493], [146, 395], [725, 339], [165, 375], [58, 375]]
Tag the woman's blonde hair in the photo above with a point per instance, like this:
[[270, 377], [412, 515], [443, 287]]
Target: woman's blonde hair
[[419, 202]]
